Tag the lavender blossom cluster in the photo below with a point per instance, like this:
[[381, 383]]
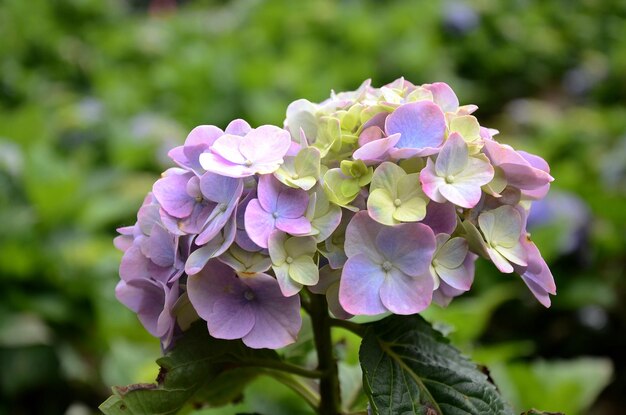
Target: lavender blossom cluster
[[380, 198]]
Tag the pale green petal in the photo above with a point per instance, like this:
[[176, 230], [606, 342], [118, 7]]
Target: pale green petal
[[326, 224], [412, 210], [467, 126], [507, 227], [413, 165], [276, 247], [409, 187], [244, 261], [333, 180], [350, 188], [380, 207], [453, 157], [301, 114], [296, 246], [386, 176], [497, 184], [303, 270], [475, 239], [307, 163], [500, 261], [452, 253], [515, 254], [304, 183], [287, 285]]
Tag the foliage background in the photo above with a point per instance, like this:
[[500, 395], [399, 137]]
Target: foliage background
[[94, 92]]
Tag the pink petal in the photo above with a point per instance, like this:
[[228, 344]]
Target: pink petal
[[266, 144], [204, 135], [359, 286], [443, 96], [268, 192], [403, 294], [259, 224], [431, 182], [217, 164], [374, 151], [227, 147], [293, 226], [453, 157]]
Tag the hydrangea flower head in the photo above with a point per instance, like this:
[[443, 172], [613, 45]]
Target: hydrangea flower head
[[380, 199]]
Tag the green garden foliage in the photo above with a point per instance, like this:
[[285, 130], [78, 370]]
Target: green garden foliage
[[93, 93]]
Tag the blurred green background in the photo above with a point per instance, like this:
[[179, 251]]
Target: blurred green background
[[94, 92]]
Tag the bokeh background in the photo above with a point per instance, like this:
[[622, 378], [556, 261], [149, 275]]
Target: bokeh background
[[94, 92]]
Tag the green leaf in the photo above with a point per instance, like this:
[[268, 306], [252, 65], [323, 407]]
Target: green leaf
[[568, 386], [188, 375], [410, 368]]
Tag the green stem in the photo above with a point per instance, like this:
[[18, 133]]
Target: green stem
[[355, 328], [330, 398], [285, 367], [297, 385]]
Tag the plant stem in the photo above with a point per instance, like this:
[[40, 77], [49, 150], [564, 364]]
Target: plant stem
[[348, 325], [297, 385], [285, 367], [330, 398]]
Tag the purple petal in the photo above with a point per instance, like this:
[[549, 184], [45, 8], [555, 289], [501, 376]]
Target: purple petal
[[409, 246], [259, 224], [377, 120], [361, 236], [360, 284], [220, 189], [421, 124], [134, 264], [268, 192], [171, 193], [277, 318], [204, 135], [440, 217], [213, 248], [460, 278], [152, 301], [404, 294], [238, 127], [161, 247], [220, 298], [125, 239], [292, 203], [231, 316]]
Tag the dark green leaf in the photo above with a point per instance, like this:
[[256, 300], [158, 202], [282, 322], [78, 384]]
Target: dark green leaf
[[410, 368], [189, 374]]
